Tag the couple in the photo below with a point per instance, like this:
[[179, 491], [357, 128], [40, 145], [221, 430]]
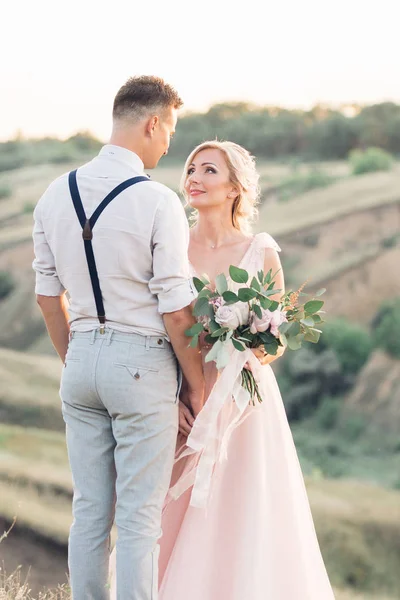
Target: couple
[[133, 392]]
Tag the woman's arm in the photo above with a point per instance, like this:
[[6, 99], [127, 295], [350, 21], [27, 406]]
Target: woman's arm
[[272, 261]]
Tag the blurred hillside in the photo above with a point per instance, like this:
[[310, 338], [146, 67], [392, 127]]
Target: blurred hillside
[[337, 229]]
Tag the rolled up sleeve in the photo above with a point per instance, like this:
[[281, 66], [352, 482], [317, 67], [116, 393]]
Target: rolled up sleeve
[[171, 280], [47, 281]]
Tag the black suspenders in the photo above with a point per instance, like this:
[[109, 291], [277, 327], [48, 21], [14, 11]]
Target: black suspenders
[[87, 233]]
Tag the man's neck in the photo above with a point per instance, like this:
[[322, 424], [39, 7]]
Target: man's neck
[[119, 138]]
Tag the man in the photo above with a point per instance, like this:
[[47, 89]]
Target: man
[[119, 387]]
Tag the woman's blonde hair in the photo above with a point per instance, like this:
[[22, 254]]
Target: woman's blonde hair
[[243, 176]]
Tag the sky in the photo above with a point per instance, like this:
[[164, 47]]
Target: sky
[[62, 63]]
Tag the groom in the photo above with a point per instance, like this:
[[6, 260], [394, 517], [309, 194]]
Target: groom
[[125, 268]]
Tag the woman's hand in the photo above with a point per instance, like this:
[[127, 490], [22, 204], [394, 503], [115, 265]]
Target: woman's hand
[[186, 419], [263, 357]]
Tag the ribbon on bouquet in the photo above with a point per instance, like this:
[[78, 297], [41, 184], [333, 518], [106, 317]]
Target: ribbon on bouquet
[[206, 442]]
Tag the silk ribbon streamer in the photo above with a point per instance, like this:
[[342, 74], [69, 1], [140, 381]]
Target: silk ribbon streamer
[[207, 444]]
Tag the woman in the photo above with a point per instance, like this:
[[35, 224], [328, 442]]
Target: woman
[[237, 523]]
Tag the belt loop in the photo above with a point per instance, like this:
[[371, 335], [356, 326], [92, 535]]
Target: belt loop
[[110, 333], [147, 342], [93, 336]]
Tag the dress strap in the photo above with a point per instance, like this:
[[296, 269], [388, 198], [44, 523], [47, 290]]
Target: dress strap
[[265, 240]]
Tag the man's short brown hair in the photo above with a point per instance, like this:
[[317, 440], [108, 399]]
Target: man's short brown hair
[[142, 95]]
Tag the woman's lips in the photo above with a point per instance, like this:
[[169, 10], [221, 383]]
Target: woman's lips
[[196, 192]]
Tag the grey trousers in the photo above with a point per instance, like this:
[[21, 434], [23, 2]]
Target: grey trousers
[[119, 397]]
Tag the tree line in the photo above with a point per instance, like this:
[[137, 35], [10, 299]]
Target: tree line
[[272, 133]]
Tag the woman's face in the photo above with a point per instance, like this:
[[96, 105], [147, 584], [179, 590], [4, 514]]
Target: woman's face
[[207, 180]]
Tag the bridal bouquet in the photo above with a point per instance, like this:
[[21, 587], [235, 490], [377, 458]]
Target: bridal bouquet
[[249, 318]]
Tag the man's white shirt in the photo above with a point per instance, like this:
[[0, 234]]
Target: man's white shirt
[[140, 244]]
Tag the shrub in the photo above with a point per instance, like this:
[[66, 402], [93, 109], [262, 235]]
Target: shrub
[[312, 376], [29, 207], [351, 342], [370, 160], [352, 426], [391, 241], [5, 191], [6, 284], [298, 184], [386, 326], [328, 412]]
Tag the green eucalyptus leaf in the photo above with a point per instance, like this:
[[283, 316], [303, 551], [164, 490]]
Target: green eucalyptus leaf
[[230, 297], [283, 339], [267, 278], [255, 285], [272, 346], [214, 325], [203, 308], [260, 276], [195, 329], [265, 303], [313, 306], [293, 330], [238, 345], [320, 292], [257, 309], [219, 332], [274, 305], [221, 284], [294, 343], [246, 294], [208, 339], [194, 341], [198, 284], [312, 336], [284, 327], [238, 275], [205, 293], [308, 322]]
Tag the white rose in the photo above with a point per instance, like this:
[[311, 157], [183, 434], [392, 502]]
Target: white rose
[[232, 315]]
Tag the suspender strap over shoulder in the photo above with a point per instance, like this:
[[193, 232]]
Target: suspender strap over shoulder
[[87, 233]]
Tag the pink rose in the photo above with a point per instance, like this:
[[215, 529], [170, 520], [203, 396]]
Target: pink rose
[[262, 324], [278, 317], [268, 319]]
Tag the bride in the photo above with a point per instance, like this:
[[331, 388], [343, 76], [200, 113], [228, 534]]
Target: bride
[[237, 523]]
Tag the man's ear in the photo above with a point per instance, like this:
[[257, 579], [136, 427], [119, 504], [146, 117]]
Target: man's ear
[[152, 125]]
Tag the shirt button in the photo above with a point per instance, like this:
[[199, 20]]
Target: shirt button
[[137, 375], [159, 342]]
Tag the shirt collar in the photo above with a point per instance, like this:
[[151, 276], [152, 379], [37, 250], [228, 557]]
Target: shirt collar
[[123, 155]]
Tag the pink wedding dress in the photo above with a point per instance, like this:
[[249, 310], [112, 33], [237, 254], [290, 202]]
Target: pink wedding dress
[[237, 523]]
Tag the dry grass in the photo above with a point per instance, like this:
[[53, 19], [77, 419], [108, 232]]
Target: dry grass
[[27, 185], [323, 205], [351, 595], [29, 379], [15, 587], [50, 515]]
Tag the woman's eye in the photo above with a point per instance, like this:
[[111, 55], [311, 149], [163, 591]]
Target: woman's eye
[[190, 171], [210, 170]]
